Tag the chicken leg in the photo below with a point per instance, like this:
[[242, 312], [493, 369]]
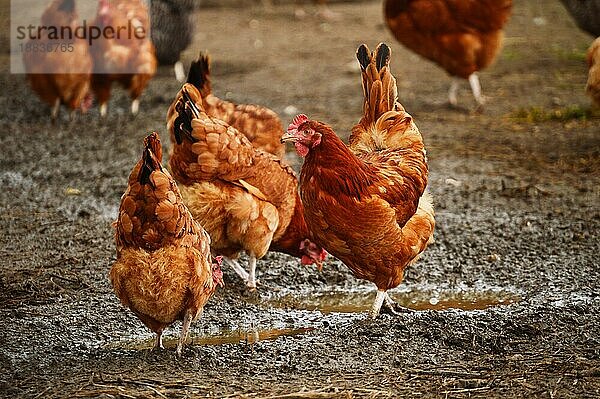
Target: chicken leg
[[55, 109], [158, 344], [475, 89], [235, 265], [179, 71], [187, 321], [135, 106], [249, 278], [251, 282]]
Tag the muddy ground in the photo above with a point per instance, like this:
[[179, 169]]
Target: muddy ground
[[516, 191]]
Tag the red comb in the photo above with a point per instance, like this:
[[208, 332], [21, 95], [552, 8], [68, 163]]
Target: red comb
[[298, 120]]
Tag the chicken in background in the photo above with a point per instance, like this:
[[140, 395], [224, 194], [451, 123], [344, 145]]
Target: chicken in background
[[164, 270], [172, 31], [592, 87], [259, 124], [130, 61], [586, 14], [462, 36], [71, 66], [247, 199], [366, 203]]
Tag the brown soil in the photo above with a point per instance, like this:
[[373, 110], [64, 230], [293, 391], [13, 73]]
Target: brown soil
[[516, 191]]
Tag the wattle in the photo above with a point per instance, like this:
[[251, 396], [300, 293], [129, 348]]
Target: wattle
[[301, 149]]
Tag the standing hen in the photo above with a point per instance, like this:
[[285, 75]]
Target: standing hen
[[128, 59], [163, 271], [366, 203], [61, 76], [593, 83], [259, 124], [462, 36], [245, 198]]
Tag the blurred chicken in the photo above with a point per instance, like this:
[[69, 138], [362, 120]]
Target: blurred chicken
[[245, 198], [61, 76], [366, 203], [129, 59], [259, 124], [172, 31], [593, 83], [163, 271], [462, 36], [586, 14]]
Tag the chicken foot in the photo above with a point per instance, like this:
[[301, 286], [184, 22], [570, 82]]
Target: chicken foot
[[384, 303]]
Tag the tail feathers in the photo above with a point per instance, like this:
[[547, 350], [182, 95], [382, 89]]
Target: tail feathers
[[199, 74], [151, 159], [187, 110], [385, 124], [379, 85]]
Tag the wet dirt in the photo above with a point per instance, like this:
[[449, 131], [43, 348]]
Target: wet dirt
[[516, 189], [248, 337], [358, 302]]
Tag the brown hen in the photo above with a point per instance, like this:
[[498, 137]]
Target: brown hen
[[61, 76], [366, 203], [127, 60], [462, 36], [259, 124], [163, 271], [247, 199], [593, 83]]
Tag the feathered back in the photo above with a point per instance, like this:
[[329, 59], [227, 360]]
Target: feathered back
[[152, 213], [205, 148], [385, 124]]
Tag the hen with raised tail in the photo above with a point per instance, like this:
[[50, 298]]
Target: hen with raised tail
[[366, 203]]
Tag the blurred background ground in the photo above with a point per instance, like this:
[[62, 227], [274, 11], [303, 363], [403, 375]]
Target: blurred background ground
[[516, 191]]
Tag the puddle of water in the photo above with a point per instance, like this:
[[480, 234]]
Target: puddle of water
[[356, 302], [225, 337]]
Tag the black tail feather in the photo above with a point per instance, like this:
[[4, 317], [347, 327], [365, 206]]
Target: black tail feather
[[186, 110], [150, 158], [382, 55], [363, 56], [199, 74]]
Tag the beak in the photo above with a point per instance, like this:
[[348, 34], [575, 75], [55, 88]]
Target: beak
[[288, 137]]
